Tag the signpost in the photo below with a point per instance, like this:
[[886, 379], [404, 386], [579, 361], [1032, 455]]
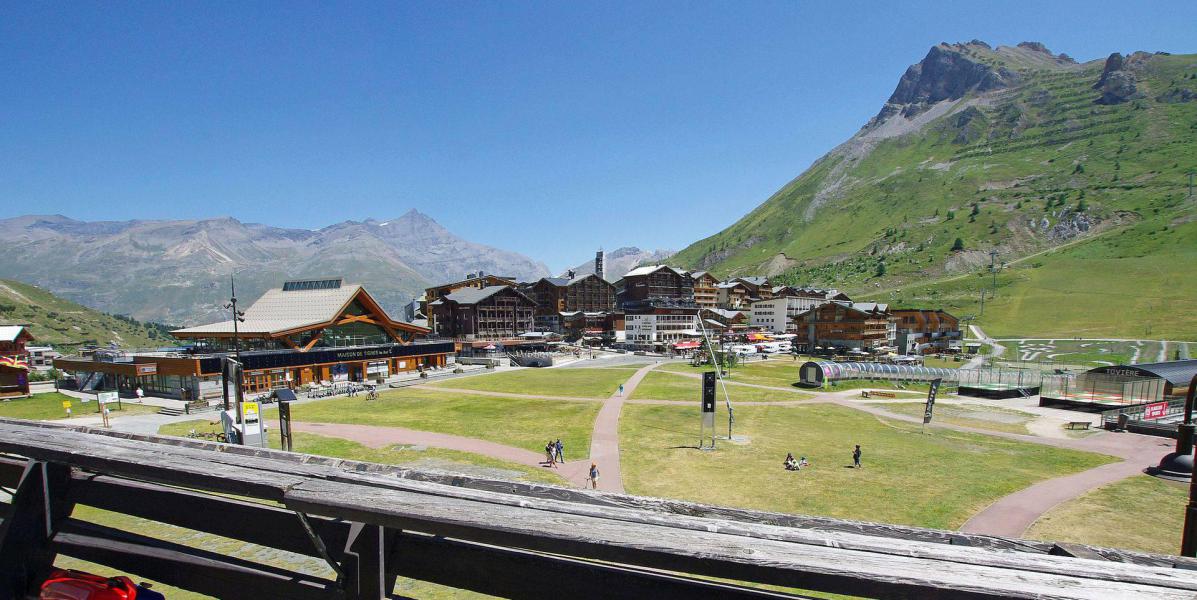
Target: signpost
[[708, 410], [103, 399], [930, 401], [67, 405]]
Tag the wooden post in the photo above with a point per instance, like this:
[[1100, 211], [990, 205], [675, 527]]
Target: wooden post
[[39, 507], [365, 566]]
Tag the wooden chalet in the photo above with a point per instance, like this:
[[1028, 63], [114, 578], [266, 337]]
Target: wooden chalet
[[844, 325], [474, 280], [655, 284], [308, 331], [706, 291], [14, 360], [497, 312], [924, 330], [555, 296]]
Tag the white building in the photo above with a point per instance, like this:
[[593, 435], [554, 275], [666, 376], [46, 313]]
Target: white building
[[660, 326], [777, 314]]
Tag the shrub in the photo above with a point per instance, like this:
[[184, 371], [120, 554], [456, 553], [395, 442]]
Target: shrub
[[958, 245]]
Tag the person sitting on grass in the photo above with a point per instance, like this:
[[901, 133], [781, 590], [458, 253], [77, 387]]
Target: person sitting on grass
[[790, 464], [802, 462]]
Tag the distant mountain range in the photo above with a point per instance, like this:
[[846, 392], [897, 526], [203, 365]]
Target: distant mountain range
[[1073, 174], [177, 272], [622, 260]]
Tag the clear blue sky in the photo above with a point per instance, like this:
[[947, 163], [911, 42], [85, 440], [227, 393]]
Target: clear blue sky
[[545, 128]]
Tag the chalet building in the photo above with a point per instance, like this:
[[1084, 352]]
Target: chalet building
[[706, 291], [41, 358], [496, 312], [476, 281], [307, 331], [14, 360], [778, 314], [845, 326], [724, 320], [557, 295], [733, 295], [594, 327], [925, 331], [758, 287], [657, 285]]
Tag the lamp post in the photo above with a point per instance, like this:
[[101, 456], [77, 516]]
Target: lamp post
[[238, 317]]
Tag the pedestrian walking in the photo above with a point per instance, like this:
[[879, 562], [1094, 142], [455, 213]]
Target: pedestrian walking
[[621, 389], [594, 475], [856, 457], [549, 451], [560, 451], [140, 394]]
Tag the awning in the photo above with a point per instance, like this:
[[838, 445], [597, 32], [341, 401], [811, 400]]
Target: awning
[[13, 362], [756, 337], [686, 344]]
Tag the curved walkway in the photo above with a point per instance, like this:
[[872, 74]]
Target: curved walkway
[[604, 440], [380, 437]]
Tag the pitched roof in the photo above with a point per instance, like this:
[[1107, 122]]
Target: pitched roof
[[754, 280], [557, 281], [1177, 372], [646, 270], [475, 295], [863, 306], [10, 333], [279, 311]]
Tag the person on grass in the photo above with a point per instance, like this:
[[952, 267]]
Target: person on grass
[[856, 457]]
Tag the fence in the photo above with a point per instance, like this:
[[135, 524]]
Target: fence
[[372, 524], [1104, 388]]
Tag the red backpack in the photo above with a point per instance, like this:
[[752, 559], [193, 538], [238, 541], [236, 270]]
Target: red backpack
[[77, 585]]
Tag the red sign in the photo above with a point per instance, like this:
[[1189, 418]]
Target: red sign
[[1155, 410]]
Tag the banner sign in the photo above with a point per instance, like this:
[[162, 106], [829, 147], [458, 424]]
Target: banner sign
[[1155, 410], [106, 397], [931, 400]]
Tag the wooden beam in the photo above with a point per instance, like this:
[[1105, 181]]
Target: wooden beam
[[39, 508], [313, 342]]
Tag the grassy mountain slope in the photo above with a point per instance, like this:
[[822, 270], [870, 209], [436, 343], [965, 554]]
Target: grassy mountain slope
[[1035, 165], [62, 323]]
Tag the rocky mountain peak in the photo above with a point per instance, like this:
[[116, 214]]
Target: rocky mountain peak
[[948, 72]]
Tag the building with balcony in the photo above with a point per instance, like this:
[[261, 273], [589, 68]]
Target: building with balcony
[[706, 290], [844, 325], [496, 312], [926, 331]]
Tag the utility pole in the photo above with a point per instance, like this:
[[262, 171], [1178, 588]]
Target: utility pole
[[238, 317], [982, 303], [1191, 184]]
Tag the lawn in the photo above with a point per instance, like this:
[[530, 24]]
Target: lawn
[[968, 415], [775, 372], [943, 363], [580, 383], [1140, 513], [522, 422], [936, 479], [48, 406], [672, 386]]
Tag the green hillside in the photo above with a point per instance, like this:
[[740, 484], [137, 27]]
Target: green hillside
[[1038, 165], [64, 324]]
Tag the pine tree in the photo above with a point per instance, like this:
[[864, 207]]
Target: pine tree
[[958, 245]]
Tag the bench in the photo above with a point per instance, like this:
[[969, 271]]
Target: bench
[[867, 394], [1078, 425]]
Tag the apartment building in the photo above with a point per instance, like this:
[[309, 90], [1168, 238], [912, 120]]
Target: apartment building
[[926, 331], [845, 325]]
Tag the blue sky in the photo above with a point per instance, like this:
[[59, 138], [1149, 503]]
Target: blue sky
[[546, 128]]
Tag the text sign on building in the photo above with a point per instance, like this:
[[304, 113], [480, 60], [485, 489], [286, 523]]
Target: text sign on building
[[144, 369], [1155, 410]]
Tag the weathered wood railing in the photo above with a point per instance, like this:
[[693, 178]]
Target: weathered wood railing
[[373, 523]]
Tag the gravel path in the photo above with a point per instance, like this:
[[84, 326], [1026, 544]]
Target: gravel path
[[604, 440]]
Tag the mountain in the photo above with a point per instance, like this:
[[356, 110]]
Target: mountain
[[1074, 175], [622, 260], [63, 324], [178, 271]]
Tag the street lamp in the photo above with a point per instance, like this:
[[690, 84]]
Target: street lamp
[[238, 315]]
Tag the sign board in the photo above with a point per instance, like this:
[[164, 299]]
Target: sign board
[[143, 369], [931, 400], [708, 392], [249, 412], [66, 404], [106, 397], [1155, 410]]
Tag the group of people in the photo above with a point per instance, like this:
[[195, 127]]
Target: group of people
[[554, 453], [797, 465]]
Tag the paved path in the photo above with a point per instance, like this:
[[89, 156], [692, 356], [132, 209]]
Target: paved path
[[604, 440], [380, 437]]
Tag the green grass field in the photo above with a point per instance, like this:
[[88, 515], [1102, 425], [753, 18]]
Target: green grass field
[[968, 415], [578, 383], [937, 479], [672, 386], [942, 363], [1140, 513], [775, 372], [524, 423], [48, 406]]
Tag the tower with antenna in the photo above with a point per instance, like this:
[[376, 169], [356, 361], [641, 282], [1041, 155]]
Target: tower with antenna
[[598, 264]]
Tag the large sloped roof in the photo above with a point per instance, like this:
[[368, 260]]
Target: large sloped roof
[[10, 333], [648, 269], [1177, 372], [475, 295], [279, 311]]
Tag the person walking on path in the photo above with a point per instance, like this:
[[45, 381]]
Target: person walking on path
[[140, 394], [856, 457], [560, 451], [550, 451], [621, 389], [594, 475]]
